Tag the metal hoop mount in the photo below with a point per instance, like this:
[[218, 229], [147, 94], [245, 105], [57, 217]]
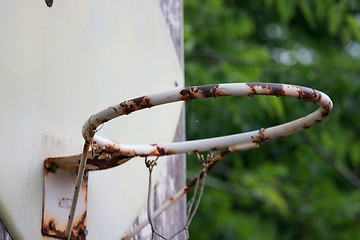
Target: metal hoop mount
[[108, 153]]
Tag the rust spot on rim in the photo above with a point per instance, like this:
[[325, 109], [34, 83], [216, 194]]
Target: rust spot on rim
[[205, 91], [260, 137], [186, 189], [160, 151], [215, 149], [135, 104], [269, 89], [309, 94], [142, 102], [209, 90], [326, 110]]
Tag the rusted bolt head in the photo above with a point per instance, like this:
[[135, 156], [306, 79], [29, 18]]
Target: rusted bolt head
[[83, 231], [53, 167], [52, 225]]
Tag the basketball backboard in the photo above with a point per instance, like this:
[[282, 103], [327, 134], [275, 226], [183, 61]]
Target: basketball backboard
[[60, 65]]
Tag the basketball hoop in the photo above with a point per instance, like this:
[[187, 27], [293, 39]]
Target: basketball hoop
[[117, 153]]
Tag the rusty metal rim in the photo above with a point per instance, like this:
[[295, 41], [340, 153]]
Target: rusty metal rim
[[233, 143], [206, 91]]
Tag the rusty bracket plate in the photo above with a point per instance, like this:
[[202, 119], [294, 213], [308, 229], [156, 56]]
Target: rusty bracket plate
[[59, 185]]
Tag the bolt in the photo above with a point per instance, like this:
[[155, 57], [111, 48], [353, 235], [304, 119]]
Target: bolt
[[52, 225], [83, 231], [53, 167], [49, 3]]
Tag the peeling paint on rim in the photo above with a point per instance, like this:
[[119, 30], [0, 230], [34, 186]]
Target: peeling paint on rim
[[106, 151], [207, 91]]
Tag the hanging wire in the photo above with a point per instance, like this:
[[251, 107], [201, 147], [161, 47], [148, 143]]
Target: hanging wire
[[150, 164], [193, 203], [205, 163]]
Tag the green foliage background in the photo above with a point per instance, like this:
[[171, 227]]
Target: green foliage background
[[300, 187]]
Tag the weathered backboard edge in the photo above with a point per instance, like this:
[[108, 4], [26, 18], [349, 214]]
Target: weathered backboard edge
[[173, 176]]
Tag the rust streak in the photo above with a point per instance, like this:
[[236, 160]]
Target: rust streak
[[85, 186], [78, 228]]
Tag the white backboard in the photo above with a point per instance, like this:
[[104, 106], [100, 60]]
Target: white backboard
[[60, 65]]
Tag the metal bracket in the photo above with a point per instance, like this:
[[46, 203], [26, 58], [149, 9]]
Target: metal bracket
[[59, 184]]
